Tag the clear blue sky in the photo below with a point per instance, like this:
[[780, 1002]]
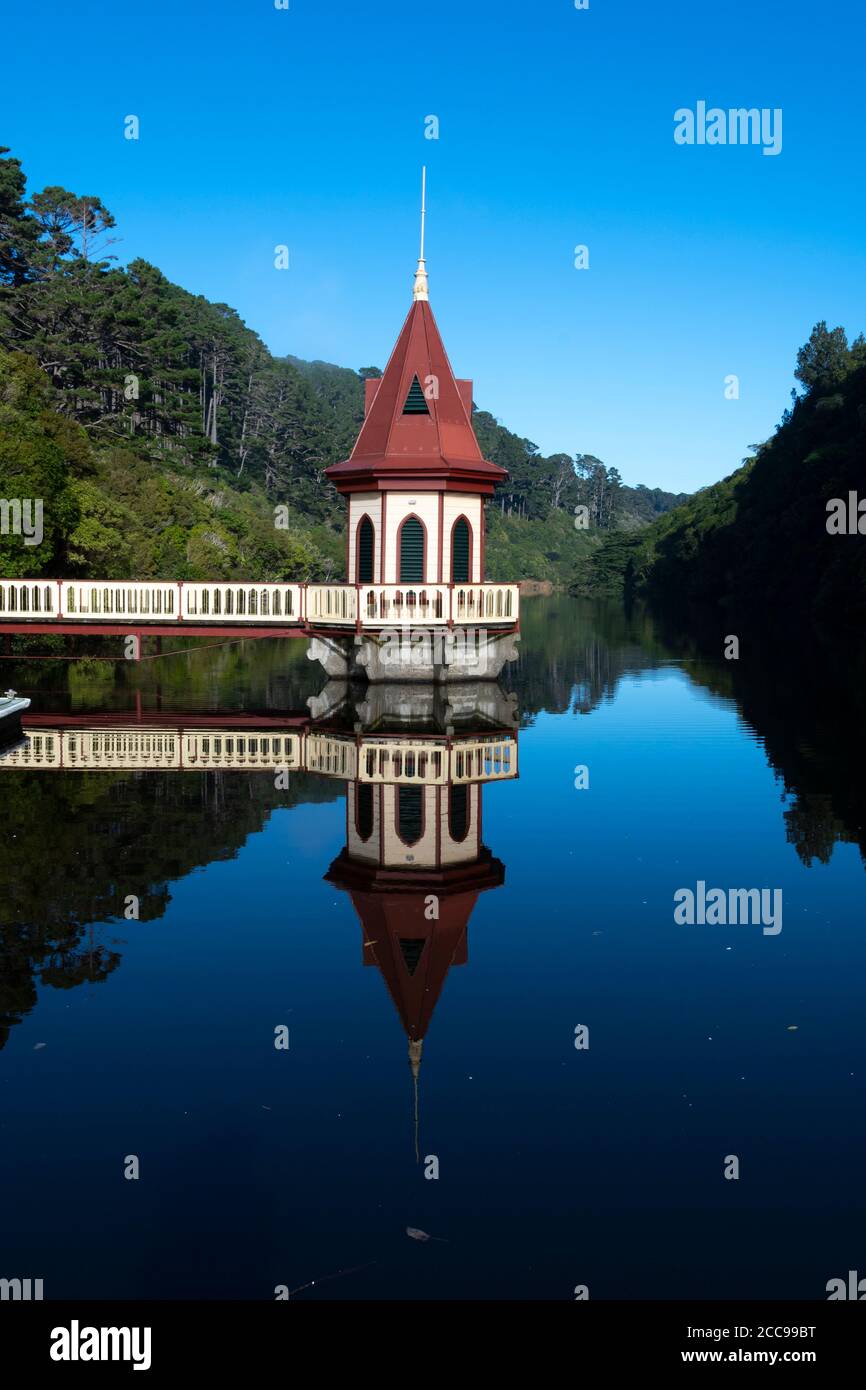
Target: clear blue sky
[[306, 127]]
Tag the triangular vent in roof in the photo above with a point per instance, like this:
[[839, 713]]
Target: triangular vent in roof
[[416, 403]]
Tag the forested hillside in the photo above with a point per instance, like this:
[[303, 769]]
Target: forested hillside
[[162, 435], [763, 541], [156, 426]]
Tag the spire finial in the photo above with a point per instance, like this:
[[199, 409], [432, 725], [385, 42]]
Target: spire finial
[[415, 1046], [420, 290]]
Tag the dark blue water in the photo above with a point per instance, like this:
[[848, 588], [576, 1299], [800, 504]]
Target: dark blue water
[[558, 1166]]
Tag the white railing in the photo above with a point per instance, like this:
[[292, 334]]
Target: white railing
[[250, 603], [485, 603], [154, 750], [122, 749], [332, 755], [364, 606], [484, 760], [426, 605], [332, 603], [408, 762], [40, 751], [396, 605], [376, 759], [101, 600], [24, 599], [426, 762], [243, 751]]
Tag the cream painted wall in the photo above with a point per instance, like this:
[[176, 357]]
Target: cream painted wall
[[424, 505], [423, 853]]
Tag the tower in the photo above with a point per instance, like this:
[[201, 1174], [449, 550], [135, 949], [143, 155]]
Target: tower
[[416, 480], [414, 865], [414, 862]]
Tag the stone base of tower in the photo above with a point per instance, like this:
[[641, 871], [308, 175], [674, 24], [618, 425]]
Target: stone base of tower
[[335, 654], [437, 656]]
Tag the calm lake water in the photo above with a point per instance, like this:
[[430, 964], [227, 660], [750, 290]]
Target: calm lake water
[[262, 1166]]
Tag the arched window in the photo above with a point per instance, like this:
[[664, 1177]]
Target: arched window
[[411, 551], [458, 811], [364, 809], [461, 551], [410, 814], [365, 550]]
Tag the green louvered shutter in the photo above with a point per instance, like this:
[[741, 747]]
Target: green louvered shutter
[[458, 811], [412, 552], [364, 809], [416, 403], [411, 949], [410, 814], [460, 552], [365, 551]]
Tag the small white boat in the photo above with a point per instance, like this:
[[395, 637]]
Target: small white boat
[[12, 707]]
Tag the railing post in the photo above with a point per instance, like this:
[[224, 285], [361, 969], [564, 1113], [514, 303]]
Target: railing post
[[451, 605]]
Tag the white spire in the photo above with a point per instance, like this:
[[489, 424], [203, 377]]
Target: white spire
[[415, 1047], [420, 290]]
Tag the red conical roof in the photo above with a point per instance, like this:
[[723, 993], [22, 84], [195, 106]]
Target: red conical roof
[[413, 953], [437, 443]]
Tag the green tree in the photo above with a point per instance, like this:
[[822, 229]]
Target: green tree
[[39, 450], [825, 359], [70, 224], [99, 542], [598, 489], [18, 230]]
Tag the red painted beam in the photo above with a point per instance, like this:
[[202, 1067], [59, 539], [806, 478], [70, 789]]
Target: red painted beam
[[159, 719], [193, 629], [184, 629]]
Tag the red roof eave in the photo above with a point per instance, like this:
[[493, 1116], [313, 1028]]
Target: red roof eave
[[437, 446]]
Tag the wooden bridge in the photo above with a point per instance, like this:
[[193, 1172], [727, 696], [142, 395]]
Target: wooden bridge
[[53, 743], [168, 608]]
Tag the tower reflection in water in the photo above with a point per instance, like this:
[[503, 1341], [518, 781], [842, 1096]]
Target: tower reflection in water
[[414, 862], [414, 759]]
